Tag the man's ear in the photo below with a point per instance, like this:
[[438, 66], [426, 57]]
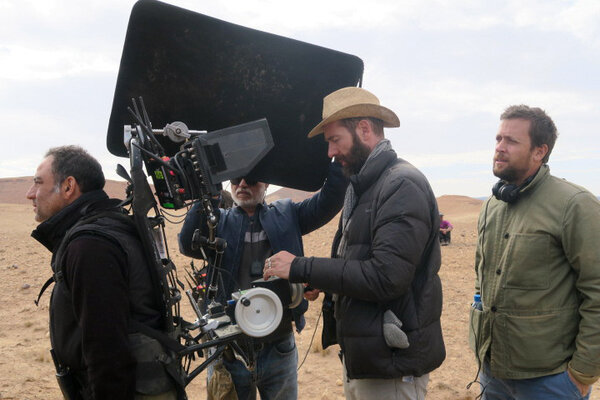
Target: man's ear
[[540, 152], [364, 130], [70, 189]]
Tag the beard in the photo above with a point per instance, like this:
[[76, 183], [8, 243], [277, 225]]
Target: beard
[[356, 158], [508, 174], [249, 202]]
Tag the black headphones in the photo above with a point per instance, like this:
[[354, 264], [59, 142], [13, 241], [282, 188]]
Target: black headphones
[[509, 192]]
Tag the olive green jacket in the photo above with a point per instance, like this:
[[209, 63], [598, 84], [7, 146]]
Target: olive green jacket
[[538, 273]]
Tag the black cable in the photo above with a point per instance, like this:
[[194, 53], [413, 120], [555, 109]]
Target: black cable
[[479, 361], [148, 131], [311, 341], [155, 157], [186, 182]]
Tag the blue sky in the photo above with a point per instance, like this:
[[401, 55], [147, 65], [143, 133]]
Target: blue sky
[[447, 68]]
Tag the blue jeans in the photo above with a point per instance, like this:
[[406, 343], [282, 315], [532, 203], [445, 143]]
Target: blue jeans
[[551, 387], [275, 374]]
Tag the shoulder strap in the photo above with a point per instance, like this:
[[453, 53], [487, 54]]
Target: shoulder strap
[[49, 282]]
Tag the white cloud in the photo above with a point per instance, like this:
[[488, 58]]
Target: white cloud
[[21, 63], [578, 18], [444, 99], [450, 159]]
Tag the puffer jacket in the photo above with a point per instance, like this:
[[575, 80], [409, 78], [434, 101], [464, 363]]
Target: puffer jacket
[[391, 262]]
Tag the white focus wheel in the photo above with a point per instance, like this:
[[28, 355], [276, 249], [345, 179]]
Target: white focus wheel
[[297, 292], [258, 312]]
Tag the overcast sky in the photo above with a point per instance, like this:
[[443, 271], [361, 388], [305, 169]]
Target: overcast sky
[[447, 68]]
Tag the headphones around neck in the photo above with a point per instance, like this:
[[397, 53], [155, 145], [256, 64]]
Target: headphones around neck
[[509, 192]]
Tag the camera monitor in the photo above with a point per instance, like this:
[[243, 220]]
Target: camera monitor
[[212, 75]]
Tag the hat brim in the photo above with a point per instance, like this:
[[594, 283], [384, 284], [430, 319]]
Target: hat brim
[[389, 118]]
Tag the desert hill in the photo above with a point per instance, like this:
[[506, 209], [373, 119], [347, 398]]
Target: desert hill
[[458, 205], [13, 190], [287, 193]]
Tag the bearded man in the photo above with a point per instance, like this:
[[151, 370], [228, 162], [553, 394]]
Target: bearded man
[[387, 296], [254, 231], [535, 333]]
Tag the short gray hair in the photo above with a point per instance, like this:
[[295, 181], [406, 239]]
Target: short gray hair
[[78, 163]]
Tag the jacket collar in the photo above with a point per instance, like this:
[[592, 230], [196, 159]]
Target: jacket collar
[[50, 232], [369, 175], [240, 211], [540, 176]]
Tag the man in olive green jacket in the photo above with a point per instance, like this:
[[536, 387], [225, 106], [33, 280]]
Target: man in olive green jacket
[[536, 332]]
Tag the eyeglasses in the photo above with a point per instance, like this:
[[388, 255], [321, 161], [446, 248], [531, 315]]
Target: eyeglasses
[[249, 182]]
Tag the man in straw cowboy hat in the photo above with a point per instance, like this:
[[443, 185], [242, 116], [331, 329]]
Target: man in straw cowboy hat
[[387, 294]]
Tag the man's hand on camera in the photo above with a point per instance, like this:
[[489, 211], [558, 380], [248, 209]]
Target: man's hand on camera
[[278, 265]]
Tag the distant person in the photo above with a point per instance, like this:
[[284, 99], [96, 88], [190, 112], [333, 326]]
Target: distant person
[[445, 229], [386, 256], [254, 230], [101, 284], [536, 333]]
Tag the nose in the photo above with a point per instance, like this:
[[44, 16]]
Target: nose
[[332, 150], [30, 193], [499, 147], [243, 183]]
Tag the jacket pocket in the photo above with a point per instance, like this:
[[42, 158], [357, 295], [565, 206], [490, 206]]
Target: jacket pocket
[[538, 342], [526, 263], [475, 318], [152, 377]]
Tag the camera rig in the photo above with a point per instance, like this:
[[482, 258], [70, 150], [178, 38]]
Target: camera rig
[[194, 174]]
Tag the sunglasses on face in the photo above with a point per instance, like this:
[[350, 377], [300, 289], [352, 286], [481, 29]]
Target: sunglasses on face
[[249, 182]]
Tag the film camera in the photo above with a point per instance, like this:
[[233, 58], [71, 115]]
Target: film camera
[[194, 174]]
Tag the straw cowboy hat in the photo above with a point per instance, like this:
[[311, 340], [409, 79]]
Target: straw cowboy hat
[[351, 102]]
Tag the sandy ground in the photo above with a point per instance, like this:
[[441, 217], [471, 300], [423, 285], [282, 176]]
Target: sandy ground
[[26, 370]]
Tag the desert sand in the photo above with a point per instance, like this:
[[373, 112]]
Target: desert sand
[[27, 372]]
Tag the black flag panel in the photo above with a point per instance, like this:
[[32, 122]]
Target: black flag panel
[[212, 74]]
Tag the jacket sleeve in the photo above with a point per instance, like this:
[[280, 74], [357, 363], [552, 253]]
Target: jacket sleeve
[[95, 271], [195, 219], [401, 231], [319, 209], [580, 242]]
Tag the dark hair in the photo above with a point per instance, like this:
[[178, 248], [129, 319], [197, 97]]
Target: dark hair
[[78, 163], [542, 130], [352, 123]]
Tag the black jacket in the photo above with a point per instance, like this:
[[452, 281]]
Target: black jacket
[[391, 261], [105, 283]]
